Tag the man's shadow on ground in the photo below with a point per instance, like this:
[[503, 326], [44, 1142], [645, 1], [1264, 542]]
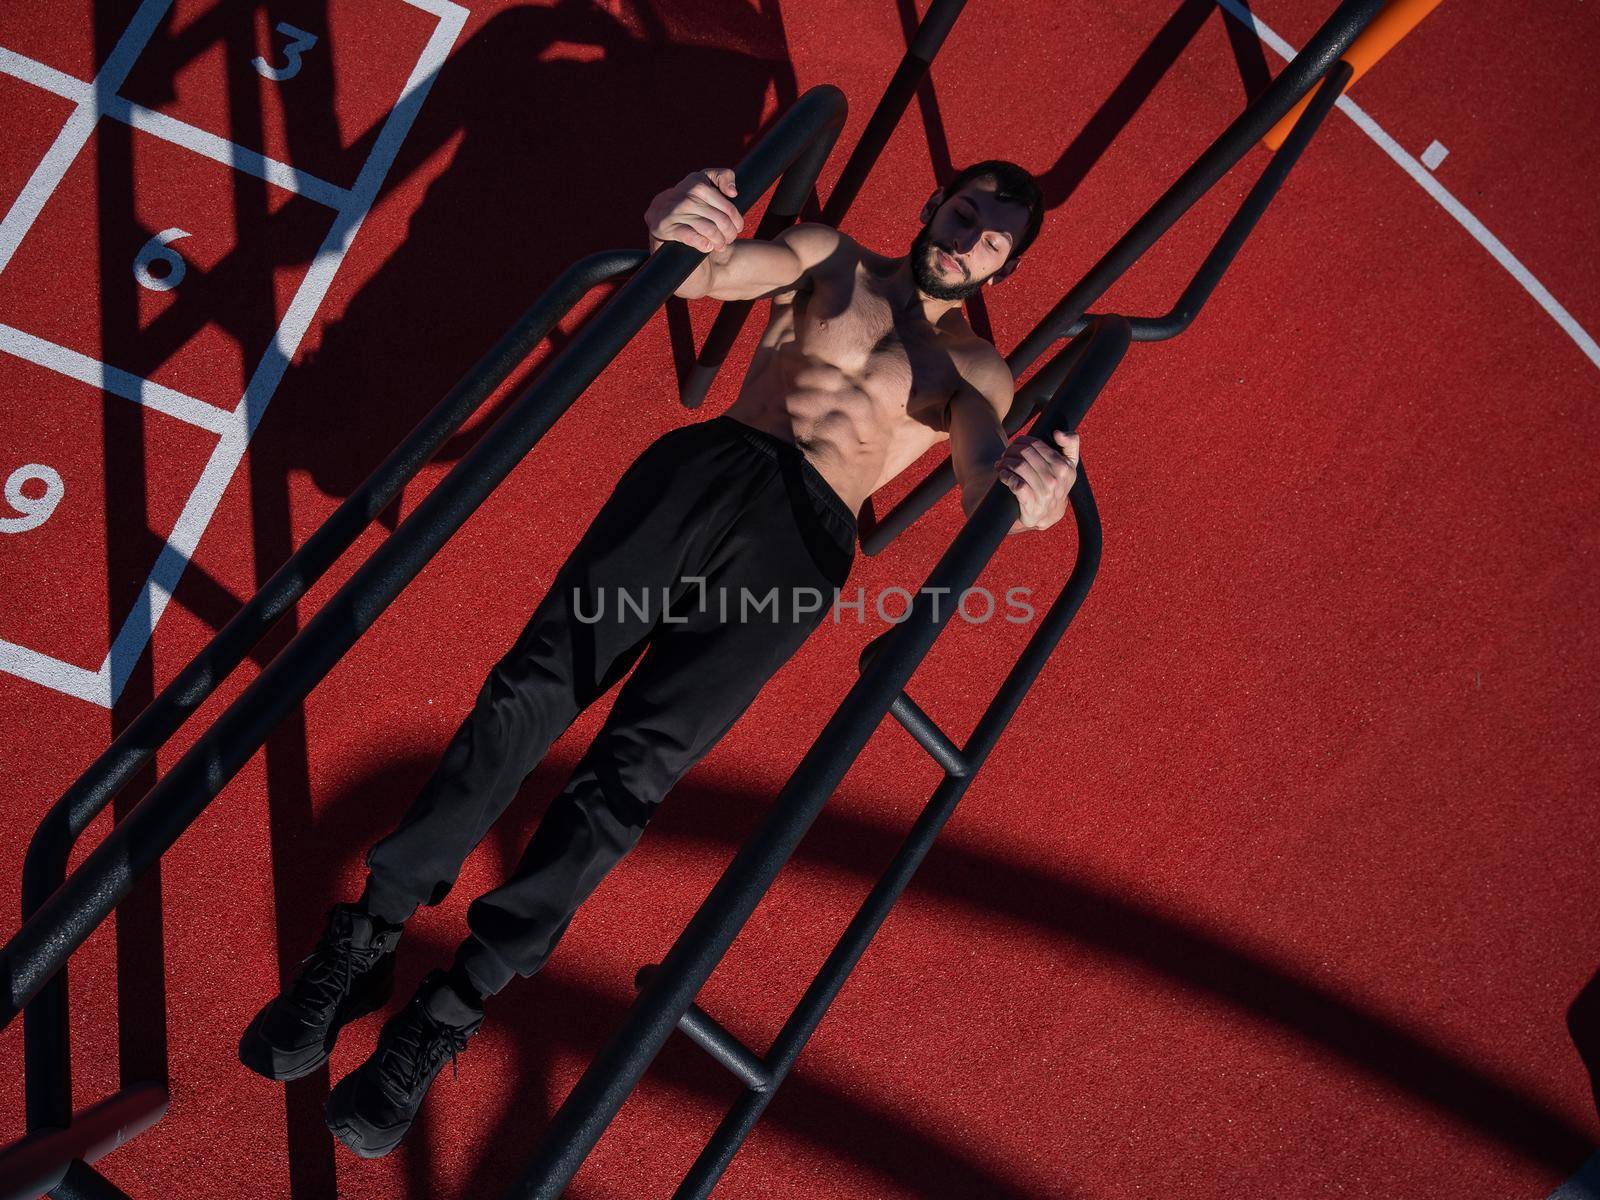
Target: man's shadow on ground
[[545, 167], [558, 120], [550, 1019], [555, 1019], [535, 181]]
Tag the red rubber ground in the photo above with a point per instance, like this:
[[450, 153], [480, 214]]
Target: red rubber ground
[[1283, 879]]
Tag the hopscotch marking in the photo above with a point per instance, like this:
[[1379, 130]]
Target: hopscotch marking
[[1438, 191], [129, 386], [233, 428], [79, 126], [169, 129], [34, 510]]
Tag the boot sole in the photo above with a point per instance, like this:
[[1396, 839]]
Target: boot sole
[[354, 1140], [263, 1058]]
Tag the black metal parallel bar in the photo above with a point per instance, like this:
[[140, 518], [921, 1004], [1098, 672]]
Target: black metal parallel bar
[[930, 35], [748, 1109], [1250, 212], [612, 1075], [1188, 306], [38, 1162], [714, 1038], [929, 736], [852, 945], [1030, 396], [1067, 318], [796, 146], [1296, 79], [46, 1038], [925, 45]]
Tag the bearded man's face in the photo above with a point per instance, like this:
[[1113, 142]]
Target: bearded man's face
[[936, 275], [974, 232]]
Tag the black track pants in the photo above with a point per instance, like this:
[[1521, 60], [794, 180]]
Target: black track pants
[[719, 551]]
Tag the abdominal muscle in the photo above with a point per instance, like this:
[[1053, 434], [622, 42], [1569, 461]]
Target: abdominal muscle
[[855, 427]]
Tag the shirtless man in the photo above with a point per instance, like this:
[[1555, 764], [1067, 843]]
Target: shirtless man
[[868, 361], [712, 561]]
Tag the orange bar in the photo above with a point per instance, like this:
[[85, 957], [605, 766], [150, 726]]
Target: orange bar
[[1399, 18]]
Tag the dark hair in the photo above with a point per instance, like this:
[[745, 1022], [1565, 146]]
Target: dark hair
[[1011, 183]]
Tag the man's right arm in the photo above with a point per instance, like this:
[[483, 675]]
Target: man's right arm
[[698, 213], [751, 269]]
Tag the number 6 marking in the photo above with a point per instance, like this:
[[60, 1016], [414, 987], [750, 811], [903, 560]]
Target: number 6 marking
[[35, 510], [154, 251], [300, 42]]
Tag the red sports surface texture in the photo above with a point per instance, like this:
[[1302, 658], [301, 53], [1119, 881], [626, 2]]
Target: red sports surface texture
[[1280, 883]]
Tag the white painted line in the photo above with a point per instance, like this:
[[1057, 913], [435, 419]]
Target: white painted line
[[79, 126], [1434, 188], [45, 179], [170, 129], [135, 633], [1434, 155], [30, 70], [235, 427], [1281, 47], [93, 686], [445, 10], [1585, 1185], [1476, 228], [221, 150], [175, 554], [116, 381]]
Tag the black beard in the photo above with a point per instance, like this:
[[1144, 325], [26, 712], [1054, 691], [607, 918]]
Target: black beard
[[923, 264]]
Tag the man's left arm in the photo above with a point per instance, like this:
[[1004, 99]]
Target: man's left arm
[[1039, 474]]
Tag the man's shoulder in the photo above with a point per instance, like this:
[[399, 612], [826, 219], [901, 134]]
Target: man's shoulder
[[816, 243], [823, 252], [978, 359], [982, 368]]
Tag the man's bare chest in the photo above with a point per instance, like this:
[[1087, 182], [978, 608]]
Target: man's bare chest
[[902, 360]]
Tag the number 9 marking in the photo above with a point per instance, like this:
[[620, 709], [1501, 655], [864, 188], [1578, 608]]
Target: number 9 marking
[[300, 41], [154, 251], [35, 510]]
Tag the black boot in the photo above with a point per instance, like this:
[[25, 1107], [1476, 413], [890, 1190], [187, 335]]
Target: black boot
[[371, 1108], [349, 974]]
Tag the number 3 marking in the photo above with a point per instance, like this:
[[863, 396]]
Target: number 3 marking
[[35, 510], [300, 42]]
